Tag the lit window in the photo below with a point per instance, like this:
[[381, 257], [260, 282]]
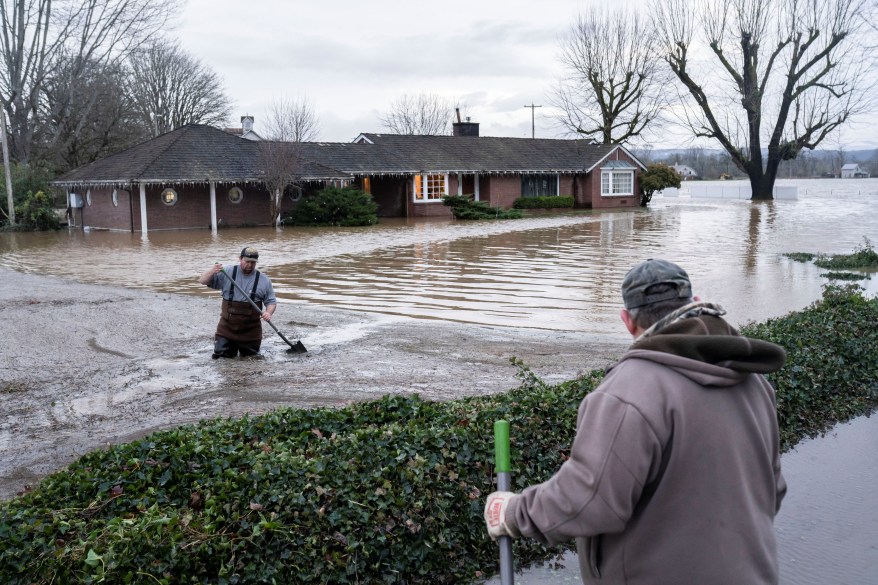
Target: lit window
[[236, 195], [430, 187], [367, 184], [169, 197], [115, 198], [617, 183]]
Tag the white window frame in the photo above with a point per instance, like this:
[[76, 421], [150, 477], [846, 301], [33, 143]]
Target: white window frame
[[236, 195], [611, 183], [424, 195], [174, 197]]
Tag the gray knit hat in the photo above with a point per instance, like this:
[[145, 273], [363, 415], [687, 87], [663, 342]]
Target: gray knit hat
[[651, 272]]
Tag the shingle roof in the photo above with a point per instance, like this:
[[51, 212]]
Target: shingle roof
[[197, 153]]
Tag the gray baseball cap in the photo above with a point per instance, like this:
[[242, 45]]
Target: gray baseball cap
[[651, 272], [250, 254]]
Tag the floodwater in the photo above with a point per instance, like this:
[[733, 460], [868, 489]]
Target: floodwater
[[556, 273]]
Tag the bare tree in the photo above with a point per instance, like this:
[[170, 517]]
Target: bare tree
[[170, 88], [613, 88], [289, 122], [425, 113], [38, 35], [785, 74], [292, 120], [87, 116]]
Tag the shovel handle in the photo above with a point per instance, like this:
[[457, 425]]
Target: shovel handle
[[502, 467]]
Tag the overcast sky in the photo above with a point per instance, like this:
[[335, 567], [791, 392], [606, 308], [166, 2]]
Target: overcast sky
[[353, 58]]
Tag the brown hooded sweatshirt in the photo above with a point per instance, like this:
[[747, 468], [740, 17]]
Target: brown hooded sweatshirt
[[674, 474]]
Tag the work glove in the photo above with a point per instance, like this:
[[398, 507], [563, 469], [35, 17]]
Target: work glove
[[495, 515]]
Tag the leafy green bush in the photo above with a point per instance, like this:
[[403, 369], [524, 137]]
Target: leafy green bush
[[832, 275], [800, 256], [462, 207], [656, 177], [386, 491], [557, 202], [37, 212], [335, 207], [831, 374], [26, 179], [864, 256]]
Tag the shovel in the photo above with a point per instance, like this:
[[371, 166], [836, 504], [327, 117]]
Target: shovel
[[298, 347], [504, 484]]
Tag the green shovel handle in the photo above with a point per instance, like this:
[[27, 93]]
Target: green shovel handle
[[501, 447]]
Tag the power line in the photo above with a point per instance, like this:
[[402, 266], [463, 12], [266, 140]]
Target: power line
[[532, 126]]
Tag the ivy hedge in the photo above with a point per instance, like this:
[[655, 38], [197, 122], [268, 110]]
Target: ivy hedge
[[386, 491]]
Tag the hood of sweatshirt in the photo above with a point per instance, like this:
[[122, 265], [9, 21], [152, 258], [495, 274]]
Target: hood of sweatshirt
[[705, 348]]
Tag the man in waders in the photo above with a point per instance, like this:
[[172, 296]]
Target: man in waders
[[240, 326], [674, 474]]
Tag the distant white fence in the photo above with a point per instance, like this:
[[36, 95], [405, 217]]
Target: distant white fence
[[726, 191]]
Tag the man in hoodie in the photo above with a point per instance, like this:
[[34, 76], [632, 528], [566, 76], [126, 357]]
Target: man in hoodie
[[674, 474]]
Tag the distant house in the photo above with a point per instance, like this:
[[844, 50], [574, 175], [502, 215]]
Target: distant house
[[202, 177], [853, 171], [246, 129], [686, 172]]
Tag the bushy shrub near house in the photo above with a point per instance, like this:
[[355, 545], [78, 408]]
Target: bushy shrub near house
[[555, 202], [462, 207], [335, 207], [37, 212], [386, 491], [26, 180], [656, 177]]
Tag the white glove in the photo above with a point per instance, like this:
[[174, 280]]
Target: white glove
[[495, 514]]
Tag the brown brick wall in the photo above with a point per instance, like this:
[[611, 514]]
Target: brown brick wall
[[504, 190], [103, 214]]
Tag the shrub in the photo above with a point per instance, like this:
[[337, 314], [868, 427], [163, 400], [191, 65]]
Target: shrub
[[37, 212], [386, 491], [335, 207], [26, 179], [558, 202], [655, 178], [800, 256], [462, 207], [864, 256]]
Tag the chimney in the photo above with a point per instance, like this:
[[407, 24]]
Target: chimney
[[464, 128]]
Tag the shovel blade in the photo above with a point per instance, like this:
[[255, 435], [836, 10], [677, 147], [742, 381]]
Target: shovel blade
[[297, 347]]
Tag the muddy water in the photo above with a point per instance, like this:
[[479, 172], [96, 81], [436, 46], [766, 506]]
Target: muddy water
[[559, 273], [556, 273]]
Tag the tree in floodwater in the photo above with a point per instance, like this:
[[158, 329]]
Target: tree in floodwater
[[771, 77], [613, 88]]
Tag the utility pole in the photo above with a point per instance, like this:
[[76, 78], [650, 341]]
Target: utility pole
[[6, 168], [532, 126]]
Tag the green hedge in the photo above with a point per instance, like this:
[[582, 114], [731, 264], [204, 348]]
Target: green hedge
[[386, 491], [558, 202], [462, 207], [335, 207]]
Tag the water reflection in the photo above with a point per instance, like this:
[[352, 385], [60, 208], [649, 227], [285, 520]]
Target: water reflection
[[560, 272]]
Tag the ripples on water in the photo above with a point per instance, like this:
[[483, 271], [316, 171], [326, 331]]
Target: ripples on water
[[558, 272]]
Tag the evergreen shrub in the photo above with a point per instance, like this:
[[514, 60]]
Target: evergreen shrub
[[555, 202], [335, 207], [37, 212], [462, 207], [385, 491]]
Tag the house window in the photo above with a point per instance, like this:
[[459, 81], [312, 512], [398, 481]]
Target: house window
[[88, 196], [169, 197], [539, 185], [367, 184], [430, 187], [617, 182], [294, 192], [115, 198], [236, 195]]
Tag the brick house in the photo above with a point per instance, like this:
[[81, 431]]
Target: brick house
[[202, 177]]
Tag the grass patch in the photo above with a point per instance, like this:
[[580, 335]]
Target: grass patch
[[845, 276], [385, 491]]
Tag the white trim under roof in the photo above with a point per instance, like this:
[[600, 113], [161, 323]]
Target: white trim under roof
[[610, 154]]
